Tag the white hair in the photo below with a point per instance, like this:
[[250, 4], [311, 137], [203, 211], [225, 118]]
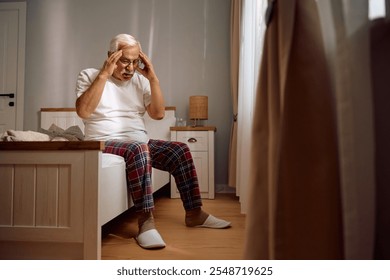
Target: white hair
[[123, 40]]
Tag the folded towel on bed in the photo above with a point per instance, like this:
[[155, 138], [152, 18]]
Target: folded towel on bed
[[54, 133], [15, 135]]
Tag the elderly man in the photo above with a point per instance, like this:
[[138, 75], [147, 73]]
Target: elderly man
[[112, 102]]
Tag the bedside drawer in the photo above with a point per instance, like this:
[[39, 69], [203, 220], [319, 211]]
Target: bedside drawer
[[200, 141], [196, 140]]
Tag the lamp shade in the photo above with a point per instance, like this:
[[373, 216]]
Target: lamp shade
[[199, 107]]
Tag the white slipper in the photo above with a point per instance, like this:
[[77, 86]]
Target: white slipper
[[150, 239], [213, 222]]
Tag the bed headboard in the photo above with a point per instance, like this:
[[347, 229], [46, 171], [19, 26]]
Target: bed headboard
[[61, 117], [66, 117]]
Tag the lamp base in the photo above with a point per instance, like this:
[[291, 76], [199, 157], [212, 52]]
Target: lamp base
[[197, 123]]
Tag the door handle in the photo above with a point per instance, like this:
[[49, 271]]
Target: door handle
[[10, 95]]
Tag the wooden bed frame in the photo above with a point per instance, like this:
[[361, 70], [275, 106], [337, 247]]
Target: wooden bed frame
[[49, 200]]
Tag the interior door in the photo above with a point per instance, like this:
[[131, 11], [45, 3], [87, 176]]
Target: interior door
[[12, 45]]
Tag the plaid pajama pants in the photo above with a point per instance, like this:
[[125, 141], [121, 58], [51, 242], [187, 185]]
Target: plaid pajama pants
[[173, 157]]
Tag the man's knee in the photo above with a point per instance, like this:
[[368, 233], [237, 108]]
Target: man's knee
[[179, 146], [138, 149]]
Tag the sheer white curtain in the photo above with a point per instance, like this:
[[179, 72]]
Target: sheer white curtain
[[251, 45]]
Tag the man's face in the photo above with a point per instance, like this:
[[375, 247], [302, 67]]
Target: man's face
[[127, 63]]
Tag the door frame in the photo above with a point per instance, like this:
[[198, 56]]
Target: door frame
[[21, 8]]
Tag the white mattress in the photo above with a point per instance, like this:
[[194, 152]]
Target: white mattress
[[113, 197], [109, 160]]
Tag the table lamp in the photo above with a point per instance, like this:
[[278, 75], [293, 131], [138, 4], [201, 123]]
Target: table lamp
[[198, 108]]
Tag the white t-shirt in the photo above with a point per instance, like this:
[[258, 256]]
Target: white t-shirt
[[119, 114]]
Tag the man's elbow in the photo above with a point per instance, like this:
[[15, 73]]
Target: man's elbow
[[159, 116], [81, 112], [156, 114]]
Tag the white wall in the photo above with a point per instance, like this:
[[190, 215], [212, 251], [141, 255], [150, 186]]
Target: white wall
[[187, 40]]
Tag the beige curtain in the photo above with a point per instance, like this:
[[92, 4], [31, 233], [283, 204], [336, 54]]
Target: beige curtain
[[348, 55], [294, 161], [235, 19], [312, 187], [387, 9], [380, 61]]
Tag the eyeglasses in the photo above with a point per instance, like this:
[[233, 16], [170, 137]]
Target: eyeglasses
[[127, 62]]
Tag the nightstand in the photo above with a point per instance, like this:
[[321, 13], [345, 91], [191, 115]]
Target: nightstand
[[200, 140]]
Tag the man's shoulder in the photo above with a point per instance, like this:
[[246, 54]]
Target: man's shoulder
[[89, 72]]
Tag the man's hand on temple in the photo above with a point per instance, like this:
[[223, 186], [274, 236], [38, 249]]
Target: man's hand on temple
[[148, 70], [109, 65]]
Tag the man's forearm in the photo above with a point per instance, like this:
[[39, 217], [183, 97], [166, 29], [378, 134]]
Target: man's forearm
[[156, 108]]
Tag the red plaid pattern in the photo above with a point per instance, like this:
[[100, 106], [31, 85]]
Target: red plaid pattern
[[173, 157]]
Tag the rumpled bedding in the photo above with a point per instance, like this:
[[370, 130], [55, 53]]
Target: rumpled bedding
[[54, 133]]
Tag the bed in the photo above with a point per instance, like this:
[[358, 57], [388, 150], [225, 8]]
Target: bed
[[55, 196]]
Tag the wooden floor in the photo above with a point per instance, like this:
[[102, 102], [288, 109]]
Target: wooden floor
[[183, 243]]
